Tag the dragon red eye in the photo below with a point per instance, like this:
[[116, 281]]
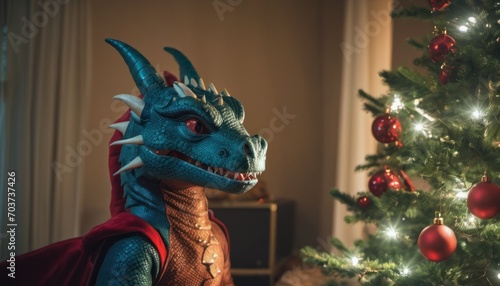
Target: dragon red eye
[[195, 126]]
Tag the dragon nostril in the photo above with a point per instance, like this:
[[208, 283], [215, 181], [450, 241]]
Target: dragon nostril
[[223, 153], [248, 149]]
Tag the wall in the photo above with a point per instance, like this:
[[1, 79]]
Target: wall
[[404, 29], [268, 54]]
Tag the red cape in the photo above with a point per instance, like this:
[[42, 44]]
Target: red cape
[[71, 262]]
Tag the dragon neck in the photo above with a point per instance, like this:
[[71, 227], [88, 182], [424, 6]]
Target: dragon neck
[[149, 200], [144, 199], [187, 199]]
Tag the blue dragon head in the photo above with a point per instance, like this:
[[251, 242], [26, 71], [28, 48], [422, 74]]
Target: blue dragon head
[[186, 132]]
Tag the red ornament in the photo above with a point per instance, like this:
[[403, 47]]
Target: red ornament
[[364, 202], [483, 199], [386, 128], [437, 242], [382, 181], [409, 187], [445, 74], [438, 5], [440, 46]]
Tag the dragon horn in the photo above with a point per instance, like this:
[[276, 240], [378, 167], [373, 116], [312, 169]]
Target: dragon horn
[[143, 73], [186, 67]]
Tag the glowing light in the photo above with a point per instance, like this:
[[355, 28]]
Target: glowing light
[[461, 190], [397, 104], [463, 29], [405, 271], [470, 222], [423, 128], [472, 19], [416, 102], [498, 276], [476, 114], [419, 127], [391, 233], [354, 261]]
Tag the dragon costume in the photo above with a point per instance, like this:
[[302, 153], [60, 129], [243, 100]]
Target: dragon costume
[[176, 139]]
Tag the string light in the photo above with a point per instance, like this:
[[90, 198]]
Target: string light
[[461, 190], [419, 127], [472, 219], [354, 261], [397, 104], [470, 222], [464, 28], [423, 128], [476, 113], [416, 102], [405, 271], [391, 233]]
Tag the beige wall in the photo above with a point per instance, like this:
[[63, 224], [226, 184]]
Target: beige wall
[[269, 54], [404, 29]]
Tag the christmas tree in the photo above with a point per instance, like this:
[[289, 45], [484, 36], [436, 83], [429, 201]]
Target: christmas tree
[[441, 125]]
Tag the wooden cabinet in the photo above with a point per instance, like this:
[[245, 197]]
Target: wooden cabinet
[[261, 235]]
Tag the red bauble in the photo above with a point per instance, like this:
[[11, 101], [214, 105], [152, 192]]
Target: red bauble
[[483, 200], [363, 202], [440, 46], [407, 182], [382, 181], [445, 74], [439, 4], [386, 128], [437, 242]]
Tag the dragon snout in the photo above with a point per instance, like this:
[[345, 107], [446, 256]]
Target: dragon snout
[[254, 147]]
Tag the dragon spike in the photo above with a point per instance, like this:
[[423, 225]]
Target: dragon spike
[[212, 88], [183, 90], [186, 79], [194, 83], [225, 93], [120, 126], [136, 163], [204, 99], [144, 74], [221, 101], [202, 84], [135, 103], [137, 140], [186, 67]]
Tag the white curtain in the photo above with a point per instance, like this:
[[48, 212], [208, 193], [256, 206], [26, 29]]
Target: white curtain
[[44, 98], [366, 50]]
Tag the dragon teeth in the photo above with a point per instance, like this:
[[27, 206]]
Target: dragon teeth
[[228, 174]]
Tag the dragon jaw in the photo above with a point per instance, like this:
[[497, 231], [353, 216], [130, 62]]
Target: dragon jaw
[[246, 176]]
